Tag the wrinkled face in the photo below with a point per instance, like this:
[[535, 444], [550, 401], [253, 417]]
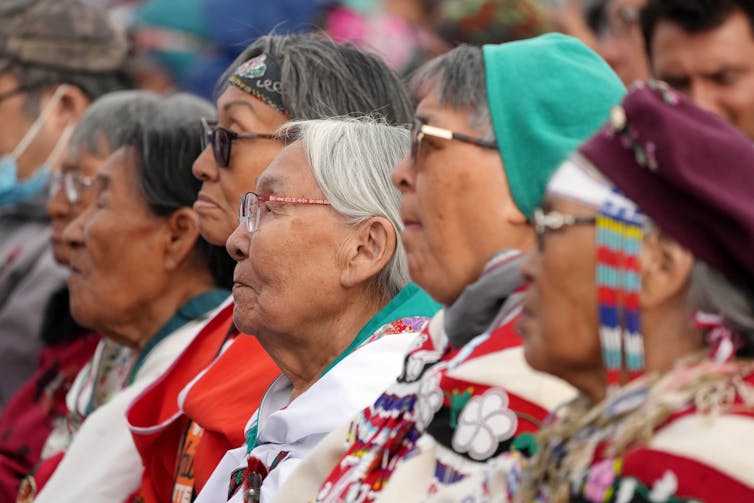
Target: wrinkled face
[[217, 203], [715, 68], [621, 42], [83, 164], [560, 321], [454, 203], [16, 123], [288, 274], [116, 258]]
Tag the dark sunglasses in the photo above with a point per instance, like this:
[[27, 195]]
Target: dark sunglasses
[[221, 139]]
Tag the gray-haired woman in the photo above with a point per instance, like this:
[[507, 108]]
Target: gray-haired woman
[[143, 277], [322, 282]]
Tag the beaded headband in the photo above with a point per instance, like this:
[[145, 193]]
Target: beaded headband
[[260, 77]]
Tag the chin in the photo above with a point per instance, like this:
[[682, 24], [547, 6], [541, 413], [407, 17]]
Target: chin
[[214, 232]]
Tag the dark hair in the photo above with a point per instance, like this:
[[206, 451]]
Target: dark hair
[[39, 78], [458, 76], [166, 147], [323, 79], [693, 16]]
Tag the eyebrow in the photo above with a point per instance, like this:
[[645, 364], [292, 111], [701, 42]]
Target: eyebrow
[[267, 184]]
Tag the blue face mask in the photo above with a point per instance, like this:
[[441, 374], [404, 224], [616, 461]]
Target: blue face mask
[[13, 190]]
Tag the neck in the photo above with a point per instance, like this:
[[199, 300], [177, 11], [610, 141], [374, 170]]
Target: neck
[[668, 336], [303, 356], [153, 314]]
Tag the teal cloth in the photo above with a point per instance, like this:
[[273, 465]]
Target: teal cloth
[[410, 301], [546, 96], [195, 307]]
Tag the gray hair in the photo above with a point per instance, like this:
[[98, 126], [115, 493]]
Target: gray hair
[[712, 292], [458, 77], [351, 160], [111, 119], [320, 78]]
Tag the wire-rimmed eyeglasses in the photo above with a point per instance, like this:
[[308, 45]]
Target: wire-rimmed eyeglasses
[[250, 208], [73, 183], [420, 130], [553, 221]]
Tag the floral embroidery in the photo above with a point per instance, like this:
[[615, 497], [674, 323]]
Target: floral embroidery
[[428, 400], [418, 360], [483, 424], [458, 400]]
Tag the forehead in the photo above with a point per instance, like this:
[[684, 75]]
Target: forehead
[[235, 104], [431, 111], [674, 49], [83, 161], [288, 173]]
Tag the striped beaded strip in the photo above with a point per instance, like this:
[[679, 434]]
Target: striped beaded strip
[[619, 234]]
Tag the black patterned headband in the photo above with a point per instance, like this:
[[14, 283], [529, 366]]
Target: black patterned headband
[[260, 77]]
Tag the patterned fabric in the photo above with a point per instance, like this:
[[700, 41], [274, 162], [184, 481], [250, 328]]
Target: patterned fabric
[[686, 436], [414, 324], [457, 397], [260, 77], [100, 379]]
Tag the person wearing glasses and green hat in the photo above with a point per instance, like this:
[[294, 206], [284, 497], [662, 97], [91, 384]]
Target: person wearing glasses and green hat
[[184, 425], [482, 150]]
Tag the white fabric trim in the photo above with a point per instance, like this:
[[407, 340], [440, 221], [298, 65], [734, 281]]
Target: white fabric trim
[[574, 179], [725, 443]]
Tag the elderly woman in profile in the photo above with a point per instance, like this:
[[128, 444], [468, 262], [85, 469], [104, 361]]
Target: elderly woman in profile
[[322, 282], [641, 298], [143, 277]]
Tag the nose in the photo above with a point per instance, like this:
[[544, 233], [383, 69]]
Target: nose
[[205, 168], [73, 234], [403, 174], [238, 243], [58, 206]]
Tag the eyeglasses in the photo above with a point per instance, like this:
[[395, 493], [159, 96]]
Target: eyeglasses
[[73, 183], [554, 221], [221, 139], [420, 130], [250, 208]]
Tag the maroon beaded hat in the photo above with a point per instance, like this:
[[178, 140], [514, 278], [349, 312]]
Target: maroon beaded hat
[[688, 170]]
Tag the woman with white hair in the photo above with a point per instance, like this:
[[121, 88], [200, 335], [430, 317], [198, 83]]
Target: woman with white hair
[[322, 282]]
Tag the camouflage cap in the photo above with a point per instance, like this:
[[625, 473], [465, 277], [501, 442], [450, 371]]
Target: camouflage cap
[[60, 34]]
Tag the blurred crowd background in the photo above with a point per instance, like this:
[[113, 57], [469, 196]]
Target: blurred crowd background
[[184, 45]]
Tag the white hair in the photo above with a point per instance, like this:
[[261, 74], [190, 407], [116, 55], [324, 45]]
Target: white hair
[[351, 160]]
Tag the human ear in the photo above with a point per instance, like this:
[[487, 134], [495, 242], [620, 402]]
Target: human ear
[[69, 108], [374, 243], [182, 231], [665, 269]]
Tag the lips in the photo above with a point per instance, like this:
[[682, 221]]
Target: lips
[[408, 217], [204, 202]]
